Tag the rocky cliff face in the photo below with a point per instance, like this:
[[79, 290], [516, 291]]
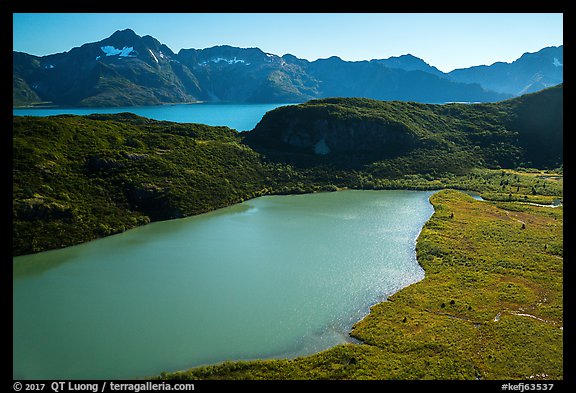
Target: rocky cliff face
[[326, 136], [324, 130]]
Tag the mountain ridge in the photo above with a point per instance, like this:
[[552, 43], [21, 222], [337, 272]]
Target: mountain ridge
[[523, 75], [126, 69]]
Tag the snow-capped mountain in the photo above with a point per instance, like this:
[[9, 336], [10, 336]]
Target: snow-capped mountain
[[126, 69], [123, 69]]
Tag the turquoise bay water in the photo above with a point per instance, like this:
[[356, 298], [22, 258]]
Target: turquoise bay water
[[277, 276], [241, 117]]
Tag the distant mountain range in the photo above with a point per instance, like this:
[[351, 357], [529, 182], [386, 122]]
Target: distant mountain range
[[530, 73], [126, 70]]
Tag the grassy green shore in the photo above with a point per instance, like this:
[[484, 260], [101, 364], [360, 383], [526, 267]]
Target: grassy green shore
[[490, 306]]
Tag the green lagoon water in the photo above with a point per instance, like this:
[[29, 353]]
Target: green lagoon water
[[277, 276]]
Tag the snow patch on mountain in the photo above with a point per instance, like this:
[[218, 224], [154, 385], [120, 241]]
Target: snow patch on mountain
[[557, 63], [112, 51], [229, 61], [152, 53]]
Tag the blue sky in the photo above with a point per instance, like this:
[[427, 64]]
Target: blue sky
[[447, 41]]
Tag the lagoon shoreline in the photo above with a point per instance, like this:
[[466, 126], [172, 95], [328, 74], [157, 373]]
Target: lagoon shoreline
[[446, 328]]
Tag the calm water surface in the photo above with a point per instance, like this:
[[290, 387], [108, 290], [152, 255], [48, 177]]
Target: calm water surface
[[277, 276], [241, 117]]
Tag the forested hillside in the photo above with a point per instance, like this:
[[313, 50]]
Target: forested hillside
[[76, 178]]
